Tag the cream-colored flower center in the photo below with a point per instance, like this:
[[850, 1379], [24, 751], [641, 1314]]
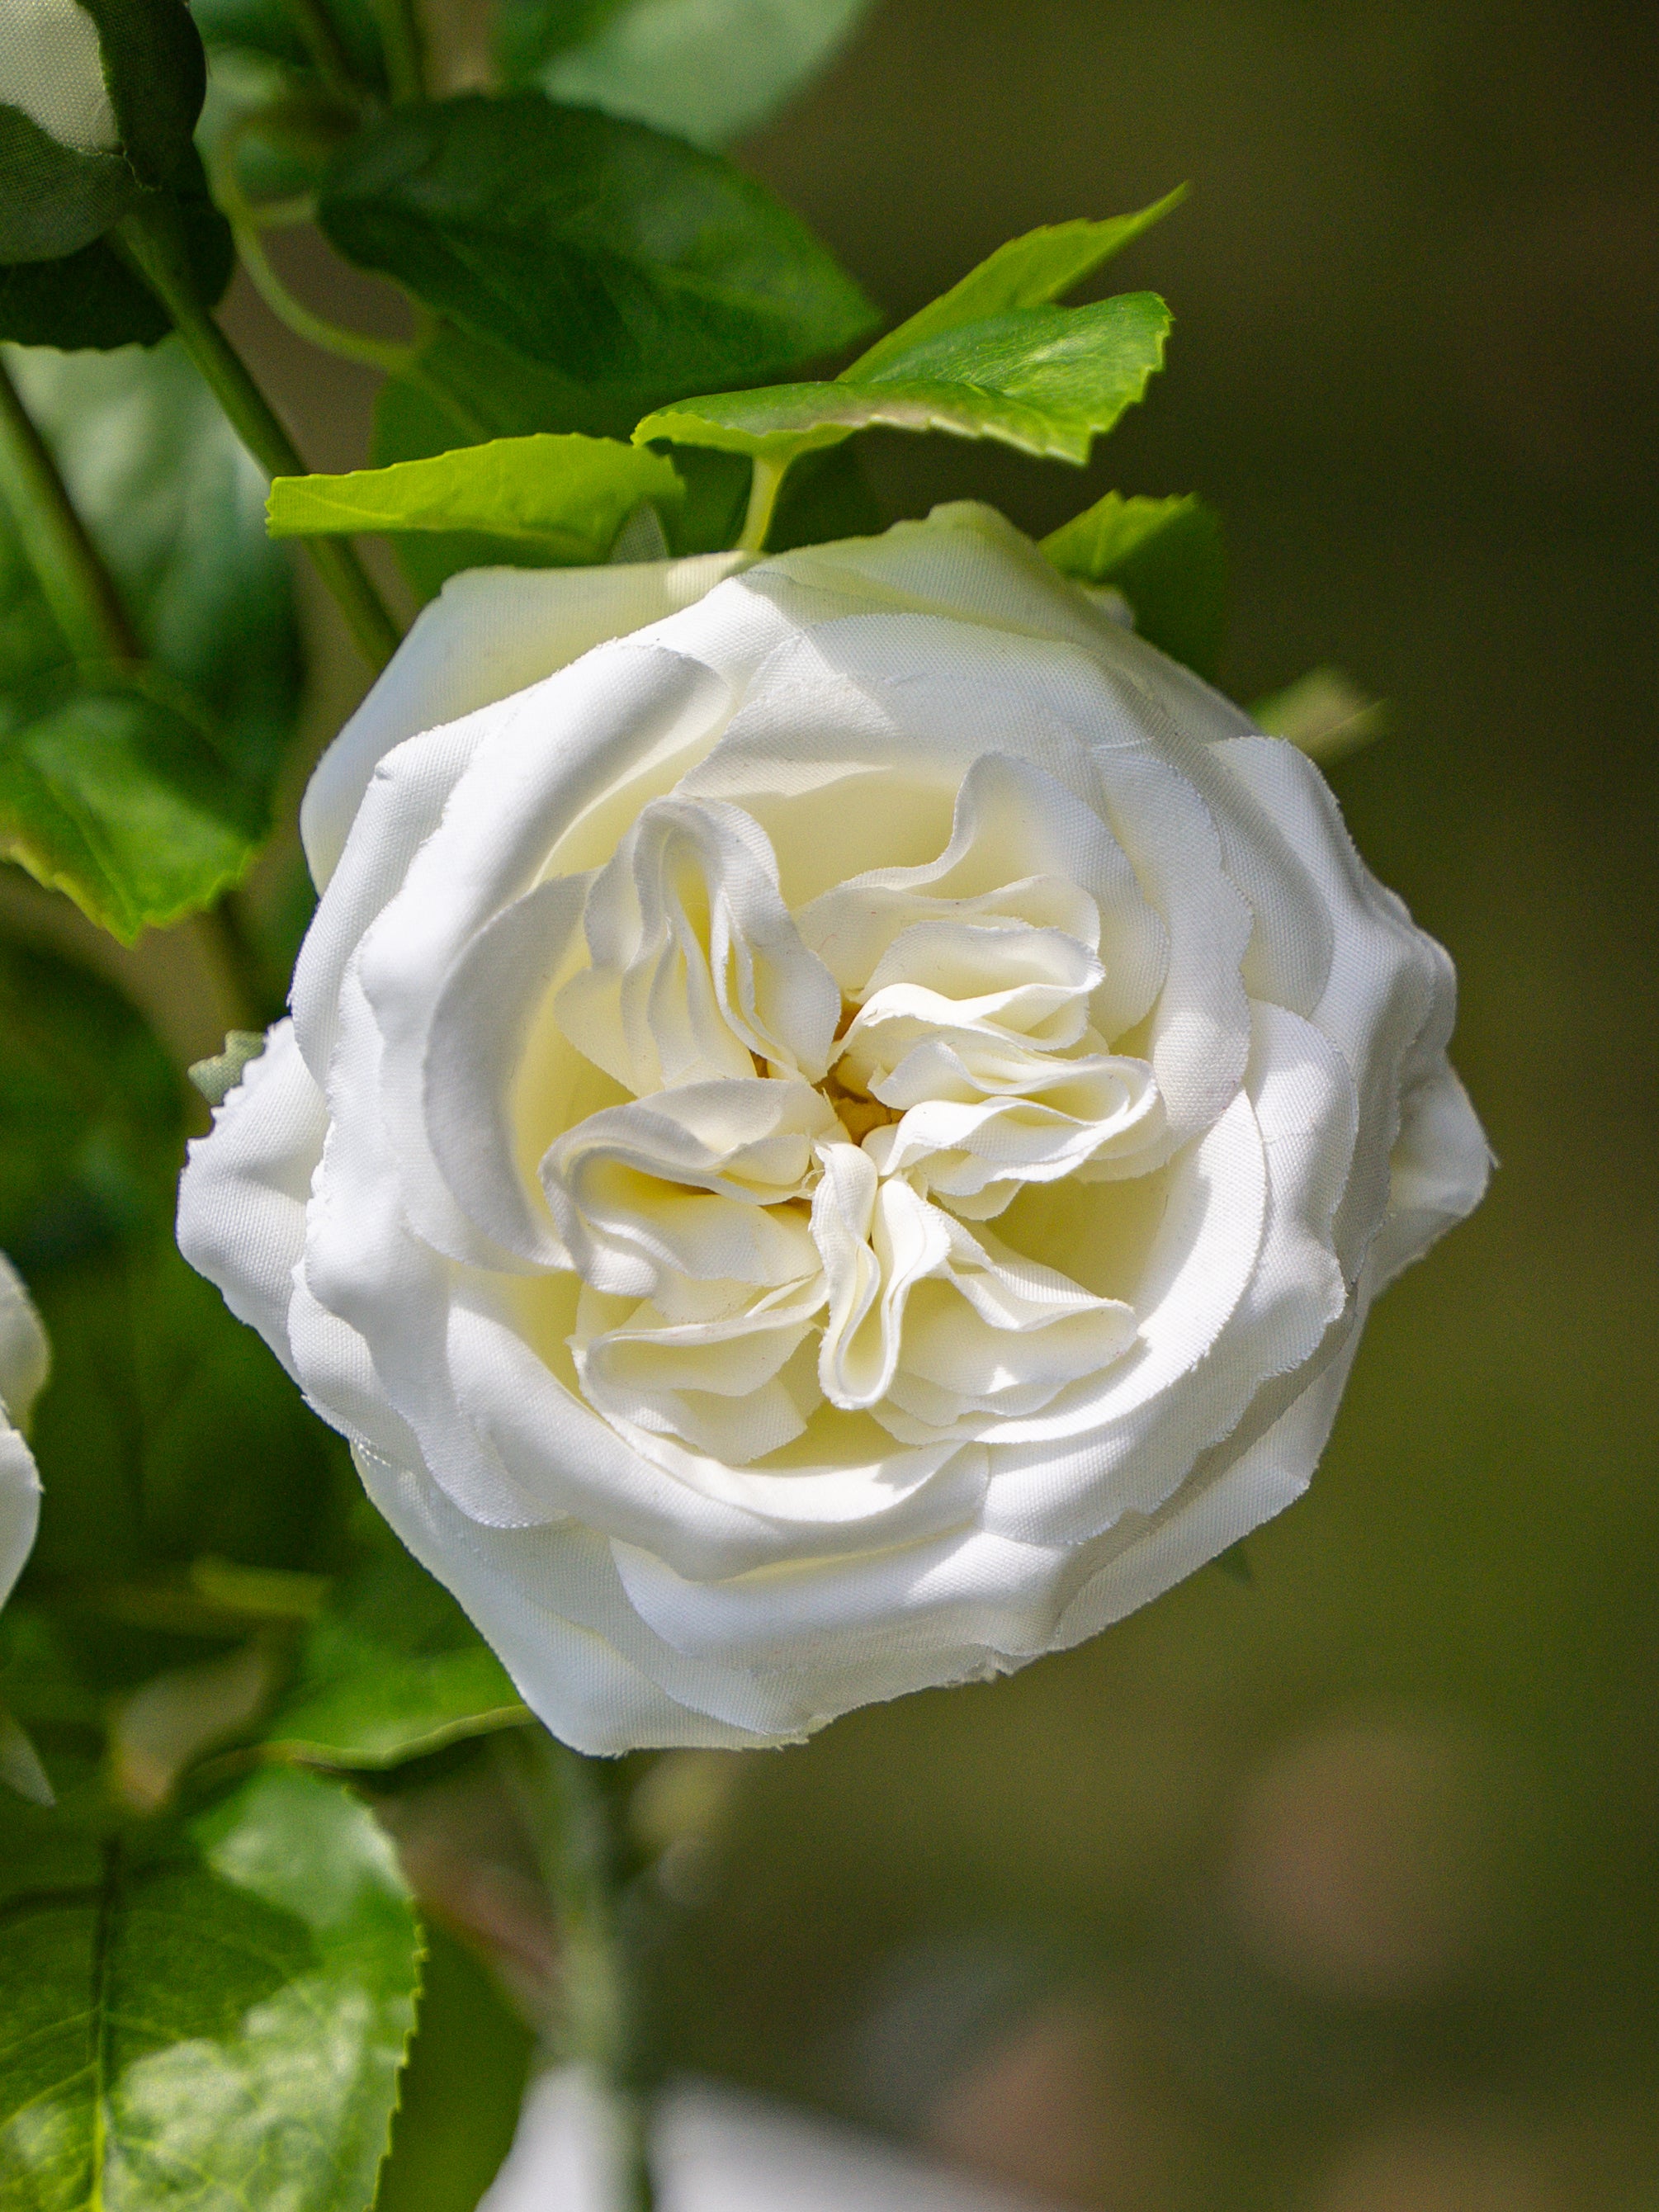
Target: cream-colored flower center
[[822, 1100]]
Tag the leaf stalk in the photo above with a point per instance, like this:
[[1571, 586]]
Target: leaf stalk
[[766, 480], [153, 243], [67, 565]]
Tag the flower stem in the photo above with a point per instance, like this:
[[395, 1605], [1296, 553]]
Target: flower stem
[[67, 565], [404, 47], [573, 1808], [153, 243], [764, 482], [315, 26]]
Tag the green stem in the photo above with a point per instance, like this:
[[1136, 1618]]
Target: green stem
[[151, 237], [323, 43], [573, 1809], [405, 47], [251, 1000], [384, 354], [764, 482], [67, 565]]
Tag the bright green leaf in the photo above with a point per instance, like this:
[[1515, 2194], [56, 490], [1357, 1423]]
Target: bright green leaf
[[1166, 557], [543, 501], [1031, 271], [206, 2019], [705, 70], [392, 1670], [626, 260], [1045, 379]]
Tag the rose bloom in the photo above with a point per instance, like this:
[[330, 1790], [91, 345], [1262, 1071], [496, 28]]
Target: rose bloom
[[841, 1120], [23, 1364]]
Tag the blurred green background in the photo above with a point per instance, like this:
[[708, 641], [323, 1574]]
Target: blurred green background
[[1337, 1892], [1340, 1891]]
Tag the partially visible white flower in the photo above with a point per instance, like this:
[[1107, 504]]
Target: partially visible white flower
[[24, 1361], [52, 67], [720, 2150]]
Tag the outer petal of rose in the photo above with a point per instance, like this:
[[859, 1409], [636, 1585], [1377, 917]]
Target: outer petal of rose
[[489, 632], [242, 1198], [1391, 987], [24, 1360]]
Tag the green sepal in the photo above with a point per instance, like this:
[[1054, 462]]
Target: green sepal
[[1167, 557], [538, 502], [625, 260], [156, 72], [53, 199], [214, 2012], [1031, 271], [1048, 381], [705, 70]]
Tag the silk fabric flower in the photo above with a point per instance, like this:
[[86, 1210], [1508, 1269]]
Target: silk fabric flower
[[23, 1364], [841, 1120]]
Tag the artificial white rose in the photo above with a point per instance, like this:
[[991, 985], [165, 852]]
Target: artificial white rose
[[51, 67], [23, 1366], [837, 1143]]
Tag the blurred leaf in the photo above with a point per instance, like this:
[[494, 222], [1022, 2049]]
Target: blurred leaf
[[623, 258], [1031, 271], [1324, 714], [1045, 379], [168, 1433], [207, 2017], [119, 791], [19, 1763], [162, 1729], [91, 1118], [705, 70], [538, 502], [113, 797], [392, 1670], [1166, 557], [268, 26]]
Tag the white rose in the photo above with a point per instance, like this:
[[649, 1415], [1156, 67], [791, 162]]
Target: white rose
[[52, 67], [837, 1143], [23, 1364]]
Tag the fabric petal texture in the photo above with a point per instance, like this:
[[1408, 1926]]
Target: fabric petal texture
[[841, 1118], [25, 1361]]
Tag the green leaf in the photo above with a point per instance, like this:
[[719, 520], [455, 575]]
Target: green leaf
[[1031, 271], [143, 800], [156, 73], [91, 1119], [168, 1433], [624, 259], [538, 502], [267, 27], [1045, 379], [1324, 714], [91, 298], [1166, 557], [115, 798], [203, 2019], [392, 1670], [705, 70]]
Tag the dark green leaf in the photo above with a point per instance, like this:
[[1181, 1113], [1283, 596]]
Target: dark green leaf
[[540, 501], [166, 1433], [1045, 379], [826, 497], [623, 258], [91, 1119], [92, 299], [393, 1670], [141, 808], [156, 73], [1031, 271], [1166, 557], [268, 28], [202, 2019], [705, 70]]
